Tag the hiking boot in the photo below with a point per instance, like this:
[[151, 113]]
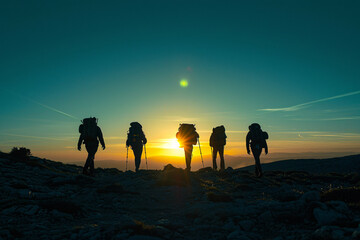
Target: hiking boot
[[258, 175]]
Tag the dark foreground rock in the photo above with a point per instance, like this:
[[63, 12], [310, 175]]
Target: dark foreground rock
[[41, 199]]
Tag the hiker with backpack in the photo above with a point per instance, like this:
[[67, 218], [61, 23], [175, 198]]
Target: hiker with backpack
[[217, 142], [136, 140], [256, 139], [90, 135], [187, 137]]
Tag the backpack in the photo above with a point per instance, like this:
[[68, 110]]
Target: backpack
[[89, 129], [135, 133], [257, 135], [218, 136], [187, 134]]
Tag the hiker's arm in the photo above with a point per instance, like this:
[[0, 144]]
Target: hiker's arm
[[248, 143], [101, 139], [211, 141], [80, 142], [144, 139], [266, 147]]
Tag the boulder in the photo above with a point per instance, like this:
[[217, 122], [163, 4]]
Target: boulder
[[329, 233], [172, 176], [10, 210], [266, 218], [229, 226], [143, 237], [219, 197], [237, 235], [312, 196], [286, 194], [246, 225], [64, 206], [24, 193], [111, 188], [205, 169], [335, 213], [61, 215], [32, 210], [356, 233]]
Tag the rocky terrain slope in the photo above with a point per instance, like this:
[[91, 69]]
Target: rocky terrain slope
[[42, 199]]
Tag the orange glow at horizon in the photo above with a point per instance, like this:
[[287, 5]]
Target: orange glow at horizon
[[166, 147], [169, 147], [171, 144]]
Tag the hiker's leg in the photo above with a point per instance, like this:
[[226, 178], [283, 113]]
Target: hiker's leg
[[256, 153], [88, 159], [87, 163], [256, 165], [188, 151], [214, 157], [92, 149], [91, 163], [137, 153], [222, 161], [259, 165]]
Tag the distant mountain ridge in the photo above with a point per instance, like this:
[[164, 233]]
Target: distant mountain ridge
[[339, 164], [333, 164]]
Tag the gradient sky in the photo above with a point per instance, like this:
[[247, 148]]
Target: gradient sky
[[292, 66]]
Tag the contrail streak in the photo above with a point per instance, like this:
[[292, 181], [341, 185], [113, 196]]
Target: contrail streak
[[42, 105], [54, 109], [303, 105]]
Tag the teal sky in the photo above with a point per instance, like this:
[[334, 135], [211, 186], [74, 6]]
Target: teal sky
[[292, 66]]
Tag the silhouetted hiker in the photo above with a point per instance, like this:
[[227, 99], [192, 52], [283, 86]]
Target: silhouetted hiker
[[256, 138], [217, 142], [187, 137], [136, 139], [90, 134]]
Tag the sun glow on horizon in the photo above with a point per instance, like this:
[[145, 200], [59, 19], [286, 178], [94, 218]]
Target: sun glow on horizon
[[171, 143], [167, 147]]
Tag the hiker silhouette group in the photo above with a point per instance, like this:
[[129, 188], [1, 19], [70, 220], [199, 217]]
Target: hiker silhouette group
[[91, 135]]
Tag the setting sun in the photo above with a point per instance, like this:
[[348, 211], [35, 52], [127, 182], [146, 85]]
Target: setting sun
[[171, 144]]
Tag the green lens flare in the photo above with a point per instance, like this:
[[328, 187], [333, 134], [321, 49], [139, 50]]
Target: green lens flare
[[184, 83]]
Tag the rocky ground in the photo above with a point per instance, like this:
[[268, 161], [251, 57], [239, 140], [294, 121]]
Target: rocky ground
[[42, 199]]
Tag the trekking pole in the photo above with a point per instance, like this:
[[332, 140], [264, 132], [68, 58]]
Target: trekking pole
[[201, 153], [127, 156], [146, 157]]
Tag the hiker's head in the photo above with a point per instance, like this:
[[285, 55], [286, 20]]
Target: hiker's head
[[219, 129], [187, 134], [90, 120], [135, 125], [187, 127], [254, 126], [86, 123]]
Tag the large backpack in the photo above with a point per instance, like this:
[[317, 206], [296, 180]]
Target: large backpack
[[187, 134], [218, 136], [89, 129], [135, 133], [257, 135]]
